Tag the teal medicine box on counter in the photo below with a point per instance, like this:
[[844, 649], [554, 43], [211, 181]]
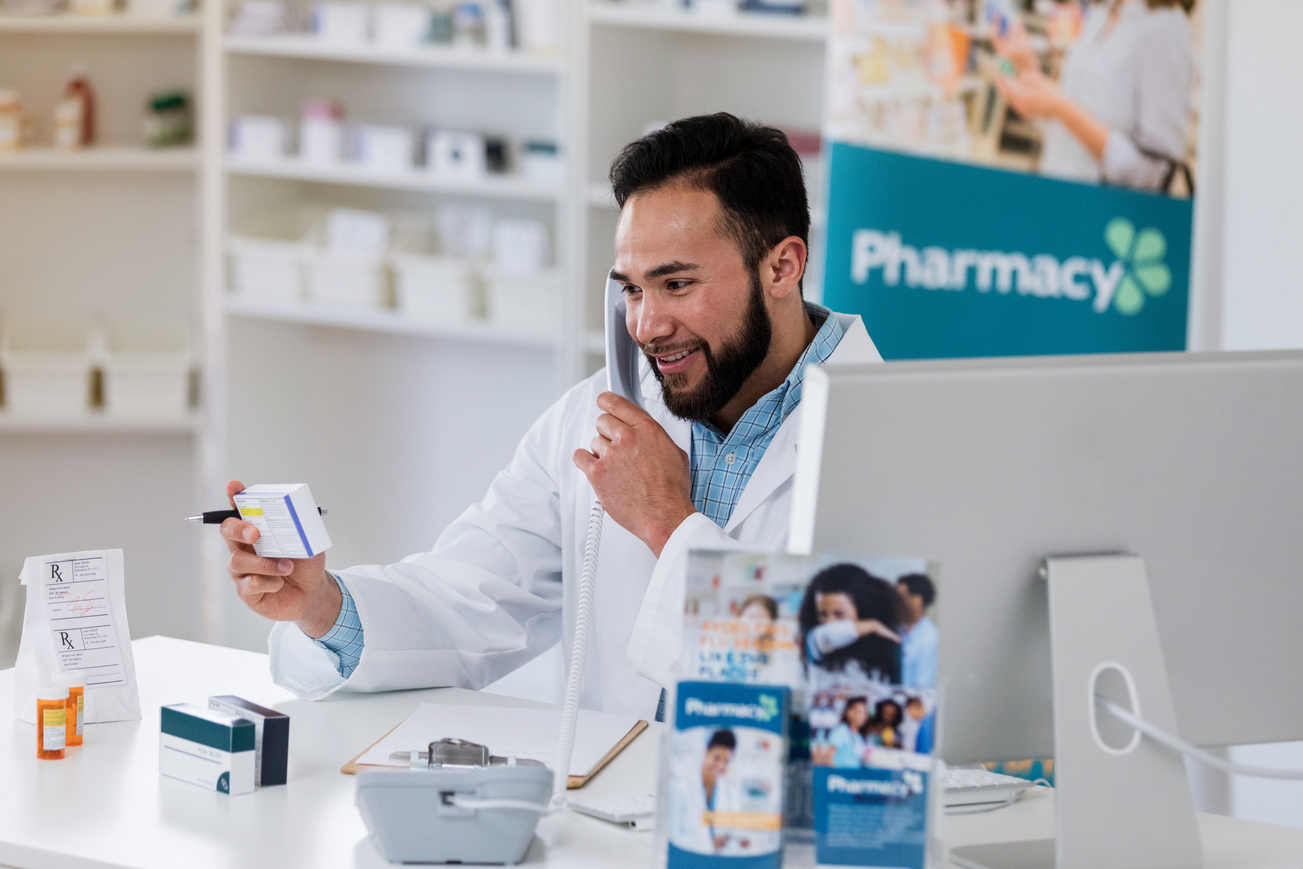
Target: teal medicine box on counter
[[212, 749]]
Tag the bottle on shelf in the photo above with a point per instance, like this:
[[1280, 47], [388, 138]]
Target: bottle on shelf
[[11, 121], [74, 115], [168, 120]]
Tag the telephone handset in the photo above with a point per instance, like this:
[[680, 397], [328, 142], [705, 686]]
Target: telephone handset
[[622, 378], [622, 353]]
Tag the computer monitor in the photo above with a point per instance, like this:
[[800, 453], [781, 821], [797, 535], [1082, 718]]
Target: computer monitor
[[1190, 461]]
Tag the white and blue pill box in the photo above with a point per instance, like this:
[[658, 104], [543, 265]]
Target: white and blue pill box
[[288, 522]]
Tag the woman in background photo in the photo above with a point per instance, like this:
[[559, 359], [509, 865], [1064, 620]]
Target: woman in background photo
[[846, 743], [1120, 111], [844, 617]]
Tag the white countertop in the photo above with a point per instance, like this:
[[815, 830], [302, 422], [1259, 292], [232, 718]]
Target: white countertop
[[105, 805]]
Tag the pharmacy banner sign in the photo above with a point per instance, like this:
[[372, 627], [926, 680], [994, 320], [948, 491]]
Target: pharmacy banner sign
[[945, 259]]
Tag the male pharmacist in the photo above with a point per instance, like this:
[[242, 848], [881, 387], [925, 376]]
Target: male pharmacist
[[710, 250]]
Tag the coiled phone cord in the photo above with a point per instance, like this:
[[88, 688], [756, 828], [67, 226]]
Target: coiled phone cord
[[578, 655]]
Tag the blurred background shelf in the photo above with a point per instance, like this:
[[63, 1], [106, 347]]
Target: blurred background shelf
[[93, 422], [108, 158], [497, 187], [379, 320], [107, 24], [307, 47], [749, 24]]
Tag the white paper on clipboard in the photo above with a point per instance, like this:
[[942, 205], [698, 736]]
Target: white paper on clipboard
[[76, 620]]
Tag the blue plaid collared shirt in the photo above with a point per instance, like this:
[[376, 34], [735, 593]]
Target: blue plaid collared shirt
[[721, 465]]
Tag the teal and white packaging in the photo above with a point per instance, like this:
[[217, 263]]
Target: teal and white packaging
[[723, 784], [288, 522], [205, 747]]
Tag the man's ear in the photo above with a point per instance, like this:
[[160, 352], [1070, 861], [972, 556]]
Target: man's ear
[[784, 267]]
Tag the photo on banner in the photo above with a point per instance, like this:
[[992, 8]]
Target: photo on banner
[[1012, 177]]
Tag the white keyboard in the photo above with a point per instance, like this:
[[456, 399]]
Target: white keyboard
[[638, 813], [969, 786]]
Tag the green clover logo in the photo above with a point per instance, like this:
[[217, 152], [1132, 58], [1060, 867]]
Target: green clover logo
[[1142, 254], [768, 706]]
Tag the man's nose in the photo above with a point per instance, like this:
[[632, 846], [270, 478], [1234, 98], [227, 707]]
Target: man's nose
[[651, 322]]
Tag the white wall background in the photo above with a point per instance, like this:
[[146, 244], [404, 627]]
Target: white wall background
[[1262, 286]]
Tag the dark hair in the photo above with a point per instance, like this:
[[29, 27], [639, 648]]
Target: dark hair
[[752, 170], [882, 705], [874, 598], [919, 584], [770, 605], [722, 739], [851, 701], [1187, 5]]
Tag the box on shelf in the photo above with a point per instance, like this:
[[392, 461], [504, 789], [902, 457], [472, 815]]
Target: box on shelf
[[340, 23], [347, 266], [455, 155], [528, 303], [269, 249], [383, 148], [259, 138], [146, 371], [47, 370], [400, 25], [431, 286]]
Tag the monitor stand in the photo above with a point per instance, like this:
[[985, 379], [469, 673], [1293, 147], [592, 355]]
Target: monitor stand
[[1121, 801]]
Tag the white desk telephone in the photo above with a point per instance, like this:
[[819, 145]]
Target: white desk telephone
[[455, 804]]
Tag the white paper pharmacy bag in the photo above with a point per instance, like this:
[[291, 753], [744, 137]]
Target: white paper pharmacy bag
[[76, 619]]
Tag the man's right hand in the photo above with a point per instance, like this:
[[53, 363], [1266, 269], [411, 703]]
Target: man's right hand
[[285, 590]]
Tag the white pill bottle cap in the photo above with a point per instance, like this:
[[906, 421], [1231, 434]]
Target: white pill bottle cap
[[51, 691], [73, 678]]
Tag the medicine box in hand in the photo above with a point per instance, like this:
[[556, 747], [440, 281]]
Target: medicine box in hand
[[288, 523], [271, 736], [214, 750]]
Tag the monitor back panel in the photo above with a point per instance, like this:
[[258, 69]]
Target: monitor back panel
[[1193, 461]]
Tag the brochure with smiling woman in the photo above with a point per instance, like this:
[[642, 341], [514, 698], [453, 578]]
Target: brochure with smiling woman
[[854, 643]]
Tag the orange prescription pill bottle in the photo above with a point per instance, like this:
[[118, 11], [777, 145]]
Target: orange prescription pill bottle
[[75, 680], [51, 721]]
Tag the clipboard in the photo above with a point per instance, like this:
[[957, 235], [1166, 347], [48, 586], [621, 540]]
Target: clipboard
[[576, 781]]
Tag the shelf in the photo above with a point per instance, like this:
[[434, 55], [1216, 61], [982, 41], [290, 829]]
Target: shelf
[[378, 320], [92, 422], [492, 186], [119, 23], [751, 24], [109, 158], [311, 48]]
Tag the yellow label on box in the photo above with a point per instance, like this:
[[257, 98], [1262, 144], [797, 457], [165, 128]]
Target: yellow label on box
[[251, 511]]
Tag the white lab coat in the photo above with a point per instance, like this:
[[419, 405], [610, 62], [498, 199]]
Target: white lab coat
[[489, 596]]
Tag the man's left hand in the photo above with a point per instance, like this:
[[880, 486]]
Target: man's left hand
[[639, 474]]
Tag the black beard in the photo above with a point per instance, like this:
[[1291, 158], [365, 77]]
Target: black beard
[[737, 360]]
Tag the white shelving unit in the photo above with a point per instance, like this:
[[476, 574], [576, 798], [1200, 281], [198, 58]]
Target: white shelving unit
[[119, 23], [102, 159], [376, 320], [491, 187], [302, 46], [110, 234]]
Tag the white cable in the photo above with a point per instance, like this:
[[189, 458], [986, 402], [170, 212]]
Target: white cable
[[578, 656], [983, 807], [1194, 752]]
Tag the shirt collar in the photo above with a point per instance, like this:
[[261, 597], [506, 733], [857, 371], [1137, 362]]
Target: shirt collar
[[775, 406]]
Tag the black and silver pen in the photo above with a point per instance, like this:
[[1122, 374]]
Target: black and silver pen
[[217, 517]]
